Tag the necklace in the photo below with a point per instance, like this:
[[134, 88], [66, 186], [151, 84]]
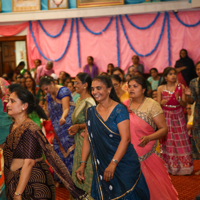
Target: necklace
[[108, 111], [139, 104]]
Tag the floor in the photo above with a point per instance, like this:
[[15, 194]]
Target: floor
[[188, 187]]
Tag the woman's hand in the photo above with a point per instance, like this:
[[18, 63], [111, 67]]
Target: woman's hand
[[163, 102], [80, 172], [62, 121], [144, 142], [188, 91], [73, 129], [109, 171]]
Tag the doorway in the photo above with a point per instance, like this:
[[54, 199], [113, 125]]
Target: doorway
[[12, 52]]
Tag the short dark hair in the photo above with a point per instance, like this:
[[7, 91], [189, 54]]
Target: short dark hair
[[45, 80]]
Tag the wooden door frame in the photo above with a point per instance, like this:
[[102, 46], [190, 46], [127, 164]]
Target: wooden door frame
[[11, 38]]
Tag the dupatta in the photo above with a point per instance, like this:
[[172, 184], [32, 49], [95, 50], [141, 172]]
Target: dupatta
[[81, 106], [141, 125], [51, 156], [103, 145]]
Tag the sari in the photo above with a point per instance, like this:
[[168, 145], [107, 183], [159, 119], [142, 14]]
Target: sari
[[153, 167], [78, 117], [128, 182], [63, 143], [40, 184], [194, 87], [176, 149]]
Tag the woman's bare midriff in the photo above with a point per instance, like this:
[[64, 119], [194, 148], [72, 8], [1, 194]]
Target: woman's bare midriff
[[18, 163]]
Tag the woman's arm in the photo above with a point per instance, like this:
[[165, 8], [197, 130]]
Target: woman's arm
[[178, 70], [124, 130], [84, 156], [159, 99], [65, 106], [160, 122], [75, 128], [24, 176]]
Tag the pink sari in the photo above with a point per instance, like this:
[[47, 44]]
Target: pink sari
[[152, 165]]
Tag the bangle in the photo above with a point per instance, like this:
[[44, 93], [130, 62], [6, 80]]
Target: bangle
[[115, 161], [179, 99], [17, 194], [83, 162]]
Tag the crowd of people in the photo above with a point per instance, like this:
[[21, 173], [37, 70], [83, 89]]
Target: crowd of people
[[108, 135]]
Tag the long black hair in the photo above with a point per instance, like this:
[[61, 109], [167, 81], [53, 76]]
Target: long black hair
[[27, 97], [141, 81], [108, 83], [85, 78], [165, 73]]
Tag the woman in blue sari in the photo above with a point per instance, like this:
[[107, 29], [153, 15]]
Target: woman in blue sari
[[60, 107], [117, 172]]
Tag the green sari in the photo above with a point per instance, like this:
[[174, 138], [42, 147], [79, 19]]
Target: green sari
[[78, 117]]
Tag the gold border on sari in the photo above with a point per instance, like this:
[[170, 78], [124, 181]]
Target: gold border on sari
[[130, 189], [70, 149], [145, 156], [105, 125]]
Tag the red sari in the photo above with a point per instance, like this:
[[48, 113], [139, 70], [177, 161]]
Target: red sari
[[153, 168]]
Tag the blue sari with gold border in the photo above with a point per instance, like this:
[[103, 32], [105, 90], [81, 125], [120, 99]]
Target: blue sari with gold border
[[128, 182]]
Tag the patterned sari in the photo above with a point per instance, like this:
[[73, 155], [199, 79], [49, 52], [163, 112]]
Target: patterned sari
[[63, 143], [194, 87], [40, 184], [128, 182], [176, 149], [141, 124], [78, 117]]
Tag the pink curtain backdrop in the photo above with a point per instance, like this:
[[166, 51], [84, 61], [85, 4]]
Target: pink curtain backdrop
[[10, 30], [103, 47]]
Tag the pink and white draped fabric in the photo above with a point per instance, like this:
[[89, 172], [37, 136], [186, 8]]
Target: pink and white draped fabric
[[103, 47]]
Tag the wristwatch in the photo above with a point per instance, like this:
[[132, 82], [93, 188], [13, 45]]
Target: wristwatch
[[115, 161], [17, 194]]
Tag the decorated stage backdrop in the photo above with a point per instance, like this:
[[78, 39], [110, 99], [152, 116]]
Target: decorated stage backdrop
[[156, 38]]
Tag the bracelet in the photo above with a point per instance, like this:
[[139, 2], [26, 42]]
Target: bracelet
[[83, 162], [115, 161], [179, 99], [17, 194]]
